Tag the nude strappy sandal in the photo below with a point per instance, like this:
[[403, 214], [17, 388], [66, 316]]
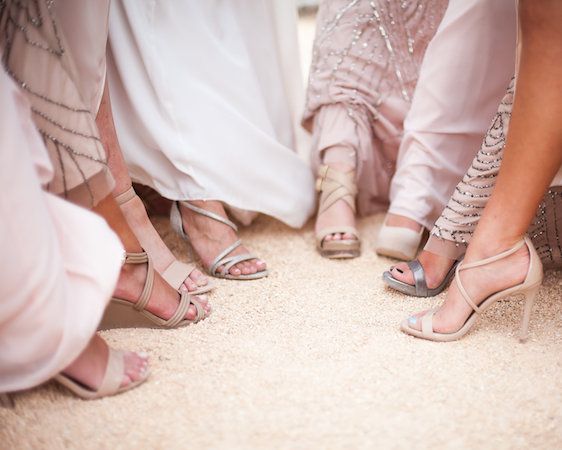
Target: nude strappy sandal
[[111, 384], [177, 272], [222, 259], [419, 288], [121, 313], [528, 289], [335, 185]]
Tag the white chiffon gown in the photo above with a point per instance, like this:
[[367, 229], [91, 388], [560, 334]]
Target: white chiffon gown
[[206, 99]]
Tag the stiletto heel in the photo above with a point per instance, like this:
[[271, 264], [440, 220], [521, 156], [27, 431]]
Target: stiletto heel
[[529, 288], [530, 296]]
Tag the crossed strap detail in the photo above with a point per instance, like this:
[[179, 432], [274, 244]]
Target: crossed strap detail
[[222, 259], [427, 319], [335, 185], [185, 299]]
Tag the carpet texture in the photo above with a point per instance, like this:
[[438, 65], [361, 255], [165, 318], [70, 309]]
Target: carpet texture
[[311, 357]]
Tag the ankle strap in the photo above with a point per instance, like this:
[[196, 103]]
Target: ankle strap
[[124, 197], [136, 258], [210, 215]]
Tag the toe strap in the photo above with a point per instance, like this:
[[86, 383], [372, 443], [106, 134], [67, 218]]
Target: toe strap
[[427, 324], [233, 260], [177, 273], [419, 277], [181, 311], [113, 374]]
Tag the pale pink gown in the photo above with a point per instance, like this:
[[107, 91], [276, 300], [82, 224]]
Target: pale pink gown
[[56, 277], [465, 72]]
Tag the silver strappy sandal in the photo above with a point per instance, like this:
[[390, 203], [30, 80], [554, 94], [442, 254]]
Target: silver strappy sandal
[[222, 259], [419, 289]]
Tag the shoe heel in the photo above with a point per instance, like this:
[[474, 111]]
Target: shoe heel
[[530, 295], [119, 315], [7, 401]]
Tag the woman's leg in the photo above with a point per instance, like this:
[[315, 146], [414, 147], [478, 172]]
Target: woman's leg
[[454, 229], [532, 157], [164, 299], [134, 210]]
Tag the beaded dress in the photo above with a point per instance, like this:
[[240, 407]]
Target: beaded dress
[[454, 228], [365, 65], [36, 56]]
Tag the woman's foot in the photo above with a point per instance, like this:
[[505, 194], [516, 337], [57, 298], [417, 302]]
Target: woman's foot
[[480, 283], [210, 238], [164, 299], [338, 214], [435, 267], [90, 366], [137, 218]]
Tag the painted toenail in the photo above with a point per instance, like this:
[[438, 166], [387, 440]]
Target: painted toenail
[[399, 270], [412, 320]]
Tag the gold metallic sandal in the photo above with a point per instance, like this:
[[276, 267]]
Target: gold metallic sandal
[[335, 185], [177, 272], [121, 313], [222, 258]]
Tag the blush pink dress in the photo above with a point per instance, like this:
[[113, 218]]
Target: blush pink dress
[[365, 66]]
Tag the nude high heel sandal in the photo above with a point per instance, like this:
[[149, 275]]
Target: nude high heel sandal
[[335, 185], [111, 381], [222, 258], [528, 289], [177, 272], [121, 313]]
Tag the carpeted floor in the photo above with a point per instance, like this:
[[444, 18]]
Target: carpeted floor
[[311, 357]]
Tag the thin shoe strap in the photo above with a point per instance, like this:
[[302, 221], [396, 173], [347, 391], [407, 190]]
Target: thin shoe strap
[[218, 260], [461, 266], [419, 277], [427, 324], [492, 259], [200, 311], [124, 197], [140, 305], [211, 215], [136, 258], [113, 374], [231, 261], [181, 311]]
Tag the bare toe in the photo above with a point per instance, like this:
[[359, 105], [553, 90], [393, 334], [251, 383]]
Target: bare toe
[[348, 236], [199, 277], [402, 272], [261, 264], [191, 285]]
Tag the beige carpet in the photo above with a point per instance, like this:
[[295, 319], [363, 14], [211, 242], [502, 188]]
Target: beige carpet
[[311, 358]]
